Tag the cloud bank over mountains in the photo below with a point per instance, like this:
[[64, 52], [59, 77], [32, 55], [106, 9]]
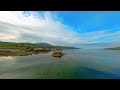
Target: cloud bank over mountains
[[35, 27]]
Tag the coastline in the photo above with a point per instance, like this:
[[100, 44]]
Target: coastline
[[18, 52]]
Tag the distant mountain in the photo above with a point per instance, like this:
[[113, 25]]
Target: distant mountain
[[35, 45], [5, 42], [65, 47], [114, 48]]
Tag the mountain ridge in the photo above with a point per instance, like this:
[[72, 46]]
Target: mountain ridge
[[36, 45], [114, 48]]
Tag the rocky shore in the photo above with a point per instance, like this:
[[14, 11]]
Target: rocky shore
[[18, 52]]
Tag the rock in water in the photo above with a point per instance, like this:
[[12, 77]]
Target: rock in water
[[57, 54]]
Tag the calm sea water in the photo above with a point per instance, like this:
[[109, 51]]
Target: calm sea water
[[77, 64]]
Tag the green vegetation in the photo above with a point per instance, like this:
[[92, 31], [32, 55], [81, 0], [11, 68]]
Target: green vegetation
[[24, 49], [11, 46], [30, 46], [115, 48]]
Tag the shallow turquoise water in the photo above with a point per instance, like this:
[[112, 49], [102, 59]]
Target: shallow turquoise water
[[77, 64]]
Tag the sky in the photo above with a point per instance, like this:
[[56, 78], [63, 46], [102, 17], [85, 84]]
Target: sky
[[84, 29]]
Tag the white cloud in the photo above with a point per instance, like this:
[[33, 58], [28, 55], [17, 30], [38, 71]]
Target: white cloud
[[45, 29], [19, 26], [20, 18]]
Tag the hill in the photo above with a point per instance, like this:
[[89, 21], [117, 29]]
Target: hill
[[12, 45], [114, 48]]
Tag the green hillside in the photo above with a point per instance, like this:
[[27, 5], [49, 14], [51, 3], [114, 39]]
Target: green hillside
[[11, 45], [115, 48]]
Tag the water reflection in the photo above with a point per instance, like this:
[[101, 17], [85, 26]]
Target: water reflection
[[58, 56], [76, 64], [7, 58], [6, 54]]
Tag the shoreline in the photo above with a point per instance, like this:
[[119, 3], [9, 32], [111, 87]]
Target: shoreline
[[18, 52]]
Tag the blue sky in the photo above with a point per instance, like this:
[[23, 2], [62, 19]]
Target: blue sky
[[87, 21], [80, 28]]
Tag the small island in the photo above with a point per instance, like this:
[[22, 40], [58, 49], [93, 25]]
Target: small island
[[25, 49]]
